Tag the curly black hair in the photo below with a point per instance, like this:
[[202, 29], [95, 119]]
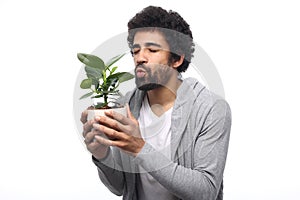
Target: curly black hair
[[175, 29]]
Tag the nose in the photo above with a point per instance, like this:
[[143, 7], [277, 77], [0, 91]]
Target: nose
[[141, 57]]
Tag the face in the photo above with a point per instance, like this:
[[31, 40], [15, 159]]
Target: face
[[151, 58]]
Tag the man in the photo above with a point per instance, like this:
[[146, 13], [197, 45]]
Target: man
[[174, 141]]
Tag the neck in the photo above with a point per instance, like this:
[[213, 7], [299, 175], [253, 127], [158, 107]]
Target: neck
[[164, 96]]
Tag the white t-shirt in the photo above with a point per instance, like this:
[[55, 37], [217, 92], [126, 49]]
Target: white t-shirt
[[155, 130]]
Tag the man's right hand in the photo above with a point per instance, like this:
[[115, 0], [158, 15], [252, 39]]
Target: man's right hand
[[98, 150]]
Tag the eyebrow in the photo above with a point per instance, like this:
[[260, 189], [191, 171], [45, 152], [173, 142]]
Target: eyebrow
[[147, 44]]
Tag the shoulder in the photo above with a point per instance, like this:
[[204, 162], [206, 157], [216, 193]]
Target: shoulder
[[203, 101], [134, 98], [133, 95]]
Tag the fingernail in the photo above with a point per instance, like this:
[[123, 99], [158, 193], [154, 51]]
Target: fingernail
[[96, 125], [97, 118], [97, 136], [109, 112]]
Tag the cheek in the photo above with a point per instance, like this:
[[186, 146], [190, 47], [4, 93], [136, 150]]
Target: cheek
[[162, 72], [163, 59], [135, 60]]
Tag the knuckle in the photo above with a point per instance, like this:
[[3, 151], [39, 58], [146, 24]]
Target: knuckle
[[103, 136], [130, 129], [122, 145], [114, 133], [87, 127], [116, 125], [90, 122], [94, 131], [102, 119], [91, 148], [121, 117], [127, 138], [83, 117], [88, 148]]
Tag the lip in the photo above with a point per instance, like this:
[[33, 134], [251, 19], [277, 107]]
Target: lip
[[140, 72]]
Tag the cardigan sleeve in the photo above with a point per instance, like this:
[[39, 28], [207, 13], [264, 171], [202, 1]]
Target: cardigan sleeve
[[110, 173]]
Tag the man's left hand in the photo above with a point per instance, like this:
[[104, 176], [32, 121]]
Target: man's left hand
[[122, 132]]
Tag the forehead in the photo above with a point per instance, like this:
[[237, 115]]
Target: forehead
[[143, 37]]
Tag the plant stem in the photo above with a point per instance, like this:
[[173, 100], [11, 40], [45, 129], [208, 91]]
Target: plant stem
[[105, 89], [105, 99]]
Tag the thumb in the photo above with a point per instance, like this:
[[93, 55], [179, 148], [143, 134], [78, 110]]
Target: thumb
[[130, 115]]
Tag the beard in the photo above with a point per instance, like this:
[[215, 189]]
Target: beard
[[147, 86], [155, 76]]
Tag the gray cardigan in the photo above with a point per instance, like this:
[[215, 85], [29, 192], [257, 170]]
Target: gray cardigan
[[201, 123]]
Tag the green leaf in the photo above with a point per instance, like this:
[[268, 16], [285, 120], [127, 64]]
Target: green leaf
[[100, 105], [116, 92], [113, 70], [86, 83], [105, 92], [95, 82], [114, 59], [86, 95], [98, 96], [91, 60], [93, 73], [111, 81], [113, 76], [125, 76]]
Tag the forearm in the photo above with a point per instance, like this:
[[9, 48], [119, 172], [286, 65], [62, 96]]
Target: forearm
[[110, 173], [183, 182]]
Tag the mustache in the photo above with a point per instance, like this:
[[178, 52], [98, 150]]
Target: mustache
[[141, 66]]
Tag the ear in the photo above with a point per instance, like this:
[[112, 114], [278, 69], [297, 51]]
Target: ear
[[177, 63]]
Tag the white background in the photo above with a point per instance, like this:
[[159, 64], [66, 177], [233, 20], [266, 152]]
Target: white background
[[255, 46]]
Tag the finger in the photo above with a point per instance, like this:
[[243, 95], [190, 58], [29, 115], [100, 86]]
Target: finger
[[109, 122], [107, 142], [117, 116], [94, 146], [103, 140], [90, 137], [83, 117], [133, 121], [87, 127], [130, 115], [110, 133]]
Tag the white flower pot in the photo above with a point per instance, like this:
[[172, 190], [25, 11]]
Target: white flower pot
[[100, 112]]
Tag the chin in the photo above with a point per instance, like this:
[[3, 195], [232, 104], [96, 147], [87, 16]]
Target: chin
[[148, 86]]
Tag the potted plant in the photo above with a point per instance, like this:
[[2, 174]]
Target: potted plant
[[103, 80]]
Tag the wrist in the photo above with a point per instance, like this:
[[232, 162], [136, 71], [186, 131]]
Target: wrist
[[101, 157], [139, 149]]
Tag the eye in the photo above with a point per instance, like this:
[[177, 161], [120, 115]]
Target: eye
[[135, 51], [153, 50]]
